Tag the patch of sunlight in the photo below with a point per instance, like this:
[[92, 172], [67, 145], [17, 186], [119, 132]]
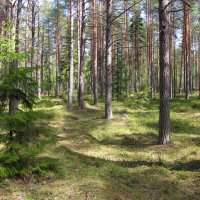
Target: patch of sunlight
[[51, 108], [111, 129]]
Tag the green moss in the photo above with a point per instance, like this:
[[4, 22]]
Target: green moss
[[118, 158]]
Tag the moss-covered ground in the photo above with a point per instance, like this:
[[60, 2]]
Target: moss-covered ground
[[116, 159]]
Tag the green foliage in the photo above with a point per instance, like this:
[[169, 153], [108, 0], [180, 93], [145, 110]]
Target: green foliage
[[22, 140], [143, 94], [140, 100], [18, 156], [137, 29], [16, 83], [23, 91], [7, 53]]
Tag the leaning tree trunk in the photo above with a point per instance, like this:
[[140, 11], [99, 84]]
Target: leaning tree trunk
[[108, 58], [164, 123]]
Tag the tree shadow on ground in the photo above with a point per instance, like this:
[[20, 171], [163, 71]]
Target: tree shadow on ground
[[134, 140], [193, 165], [80, 124], [153, 176], [178, 126], [119, 176]]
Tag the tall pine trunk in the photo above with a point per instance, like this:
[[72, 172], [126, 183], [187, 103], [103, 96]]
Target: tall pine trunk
[[108, 58], [27, 40], [38, 72], [164, 117], [78, 41], [71, 68], [82, 47], [58, 52], [94, 57], [33, 36], [13, 102]]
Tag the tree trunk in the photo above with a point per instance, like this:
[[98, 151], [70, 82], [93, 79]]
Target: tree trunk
[[33, 36], [13, 102], [150, 48], [199, 63], [71, 69], [186, 48], [38, 72], [101, 52], [58, 53], [42, 63], [108, 103], [27, 40], [164, 118], [81, 73], [94, 57], [78, 41]]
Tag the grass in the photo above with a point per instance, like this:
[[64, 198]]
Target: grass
[[116, 159]]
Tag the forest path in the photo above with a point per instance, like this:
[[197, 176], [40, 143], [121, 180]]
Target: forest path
[[124, 150], [116, 159]]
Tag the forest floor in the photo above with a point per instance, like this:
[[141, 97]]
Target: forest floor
[[116, 159]]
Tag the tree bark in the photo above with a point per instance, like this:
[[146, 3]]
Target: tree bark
[[27, 40], [71, 69], [94, 57], [108, 59], [13, 101], [78, 41], [33, 36], [82, 45], [101, 55], [58, 53], [164, 117], [186, 47], [38, 72], [42, 63], [150, 48]]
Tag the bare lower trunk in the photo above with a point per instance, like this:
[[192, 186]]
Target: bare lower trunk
[[38, 72], [94, 64], [164, 118], [101, 53], [71, 69], [42, 63], [108, 103], [78, 40], [81, 73], [33, 36]]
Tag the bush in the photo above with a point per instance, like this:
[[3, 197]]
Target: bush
[[19, 153], [141, 100], [22, 141]]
